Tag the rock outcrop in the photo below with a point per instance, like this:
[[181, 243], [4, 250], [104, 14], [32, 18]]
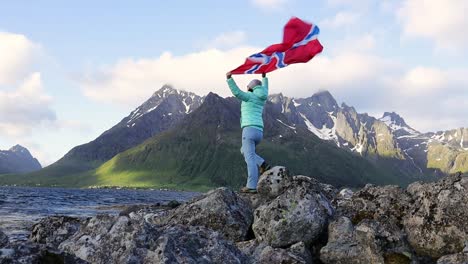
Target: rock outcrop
[[132, 240], [55, 229], [29, 252], [263, 253], [292, 219], [297, 211], [368, 242], [221, 210], [460, 258], [437, 223]]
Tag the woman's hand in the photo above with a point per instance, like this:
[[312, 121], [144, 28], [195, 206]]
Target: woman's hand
[[228, 75], [263, 75]]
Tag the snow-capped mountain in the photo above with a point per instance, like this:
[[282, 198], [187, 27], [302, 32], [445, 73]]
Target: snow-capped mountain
[[17, 159], [397, 124], [388, 137], [165, 108], [175, 102]]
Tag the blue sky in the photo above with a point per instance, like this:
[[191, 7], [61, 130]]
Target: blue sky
[[69, 71]]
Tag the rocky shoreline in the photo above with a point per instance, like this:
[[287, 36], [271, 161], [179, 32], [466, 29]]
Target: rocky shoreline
[[292, 219]]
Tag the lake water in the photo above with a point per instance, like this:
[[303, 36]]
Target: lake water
[[21, 207]]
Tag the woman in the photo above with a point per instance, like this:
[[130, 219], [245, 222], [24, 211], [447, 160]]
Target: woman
[[252, 105]]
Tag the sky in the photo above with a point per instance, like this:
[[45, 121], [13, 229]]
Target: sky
[[69, 70]]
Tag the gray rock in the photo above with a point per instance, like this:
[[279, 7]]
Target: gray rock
[[220, 210], [179, 244], [53, 230], [261, 253], [368, 242], [107, 239], [173, 204], [3, 239], [460, 258], [345, 194], [28, 252], [380, 203], [300, 213], [274, 182], [437, 223]]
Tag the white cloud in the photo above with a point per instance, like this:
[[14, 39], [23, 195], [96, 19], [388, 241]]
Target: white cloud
[[17, 53], [131, 81], [350, 3], [228, 40], [25, 108], [269, 4], [443, 22], [341, 19], [423, 80], [355, 76]]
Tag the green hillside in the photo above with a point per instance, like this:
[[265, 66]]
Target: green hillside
[[203, 151]]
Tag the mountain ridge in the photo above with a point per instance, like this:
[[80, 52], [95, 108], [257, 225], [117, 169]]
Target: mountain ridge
[[381, 141], [18, 159]]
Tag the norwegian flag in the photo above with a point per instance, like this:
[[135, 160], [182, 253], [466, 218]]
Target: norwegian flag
[[300, 44]]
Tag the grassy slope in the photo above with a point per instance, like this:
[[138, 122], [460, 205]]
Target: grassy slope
[[207, 158], [203, 153]]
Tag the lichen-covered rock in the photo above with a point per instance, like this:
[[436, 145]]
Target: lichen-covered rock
[[179, 244], [277, 180], [460, 258], [125, 240], [437, 223], [3, 239], [299, 213], [220, 210], [28, 252], [274, 182], [368, 242], [261, 253], [53, 230], [380, 203]]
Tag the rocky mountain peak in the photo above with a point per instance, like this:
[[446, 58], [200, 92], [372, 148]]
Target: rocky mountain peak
[[212, 98], [276, 98], [394, 118], [325, 99], [168, 89], [17, 159], [396, 122], [20, 150]]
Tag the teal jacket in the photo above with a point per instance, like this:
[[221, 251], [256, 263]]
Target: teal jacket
[[252, 103]]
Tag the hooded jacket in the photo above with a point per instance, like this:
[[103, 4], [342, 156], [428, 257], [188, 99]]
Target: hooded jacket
[[252, 103]]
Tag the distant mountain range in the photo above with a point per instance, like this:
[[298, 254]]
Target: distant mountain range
[[177, 139], [17, 160]]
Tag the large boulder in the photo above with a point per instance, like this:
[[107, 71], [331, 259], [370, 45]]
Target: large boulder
[[53, 230], [380, 203], [28, 252], [123, 239], [299, 211], [261, 253], [277, 180], [220, 210], [437, 223], [274, 182], [368, 242], [3, 239], [460, 258], [189, 244]]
